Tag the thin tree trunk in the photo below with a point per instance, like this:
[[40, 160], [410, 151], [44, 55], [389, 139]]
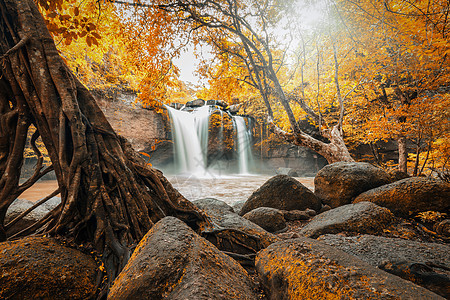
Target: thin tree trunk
[[402, 155], [417, 160]]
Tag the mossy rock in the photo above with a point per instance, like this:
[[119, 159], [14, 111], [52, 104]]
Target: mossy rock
[[173, 262], [41, 268], [282, 192], [304, 268], [339, 183], [409, 196]]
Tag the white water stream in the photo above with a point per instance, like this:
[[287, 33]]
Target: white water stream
[[244, 149], [190, 138]]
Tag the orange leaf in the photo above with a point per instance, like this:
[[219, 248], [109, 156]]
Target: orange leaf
[[96, 35], [145, 154]]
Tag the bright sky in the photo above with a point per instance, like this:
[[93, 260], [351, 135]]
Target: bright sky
[[188, 63]]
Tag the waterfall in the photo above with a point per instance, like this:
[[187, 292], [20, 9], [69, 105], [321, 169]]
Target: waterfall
[[245, 156], [201, 121], [189, 138]]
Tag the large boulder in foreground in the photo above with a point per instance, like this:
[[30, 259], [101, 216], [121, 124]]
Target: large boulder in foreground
[[173, 262], [339, 183], [40, 268], [271, 219], [376, 249], [282, 192], [304, 268], [364, 217], [410, 196], [223, 216], [425, 264]]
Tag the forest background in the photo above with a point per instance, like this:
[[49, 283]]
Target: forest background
[[372, 70]]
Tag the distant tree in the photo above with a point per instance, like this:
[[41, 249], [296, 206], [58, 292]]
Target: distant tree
[[401, 51]]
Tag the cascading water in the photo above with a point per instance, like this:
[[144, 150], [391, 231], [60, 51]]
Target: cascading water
[[189, 155], [245, 156], [201, 121], [190, 138]]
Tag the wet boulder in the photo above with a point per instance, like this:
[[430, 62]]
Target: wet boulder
[[195, 103], [173, 262], [223, 216], [410, 196], [287, 171], [376, 249], [364, 217], [220, 103], [40, 268], [304, 268], [282, 192], [271, 219], [234, 109], [425, 264], [339, 183], [51, 203]]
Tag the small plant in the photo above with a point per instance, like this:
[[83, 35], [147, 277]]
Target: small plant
[[431, 216]]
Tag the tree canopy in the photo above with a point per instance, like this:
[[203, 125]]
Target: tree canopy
[[367, 66]]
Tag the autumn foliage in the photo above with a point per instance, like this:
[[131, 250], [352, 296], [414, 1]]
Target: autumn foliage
[[392, 59]]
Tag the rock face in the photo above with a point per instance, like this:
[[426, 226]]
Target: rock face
[[195, 103], [339, 183], [223, 215], [142, 127], [282, 192], [410, 196], [308, 269], [40, 268], [422, 263], [364, 217], [173, 262], [271, 219]]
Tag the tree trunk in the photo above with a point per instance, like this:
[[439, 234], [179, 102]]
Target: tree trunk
[[402, 155], [334, 151], [110, 198]]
